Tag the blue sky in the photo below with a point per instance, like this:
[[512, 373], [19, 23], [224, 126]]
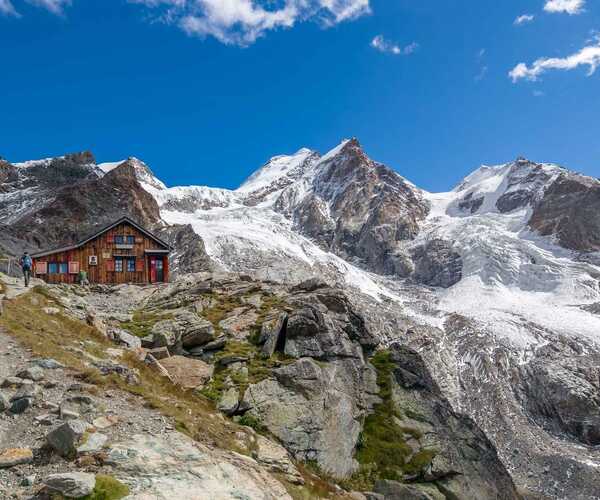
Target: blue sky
[[205, 91]]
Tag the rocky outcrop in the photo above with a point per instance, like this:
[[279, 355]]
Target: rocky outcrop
[[436, 264], [569, 211], [356, 208]]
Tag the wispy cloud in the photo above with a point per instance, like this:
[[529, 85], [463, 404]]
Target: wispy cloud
[[481, 75], [8, 9], [587, 56], [538, 93], [570, 7], [54, 6], [242, 22], [524, 19], [382, 45]]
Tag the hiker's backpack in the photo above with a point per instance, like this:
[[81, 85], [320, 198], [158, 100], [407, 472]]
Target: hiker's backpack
[[26, 262]]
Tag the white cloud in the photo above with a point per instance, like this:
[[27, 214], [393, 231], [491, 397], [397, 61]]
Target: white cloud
[[382, 45], [587, 56], [538, 93], [7, 8], [241, 22], [567, 6], [524, 19]]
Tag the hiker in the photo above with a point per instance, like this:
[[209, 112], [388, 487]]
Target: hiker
[[26, 265]]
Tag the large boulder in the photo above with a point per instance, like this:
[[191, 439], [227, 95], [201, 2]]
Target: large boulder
[[172, 465], [315, 409], [65, 439], [186, 372]]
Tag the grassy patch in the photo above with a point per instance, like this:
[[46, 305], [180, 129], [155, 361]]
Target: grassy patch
[[382, 451], [224, 304], [142, 322]]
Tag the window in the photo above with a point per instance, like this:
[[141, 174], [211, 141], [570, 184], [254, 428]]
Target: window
[[130, 239], [131, 265], [63, 267], [119, 265], [119, 239], [52, 268], [58, 267]]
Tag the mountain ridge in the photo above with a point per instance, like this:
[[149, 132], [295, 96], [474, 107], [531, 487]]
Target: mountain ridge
[[493, 283]]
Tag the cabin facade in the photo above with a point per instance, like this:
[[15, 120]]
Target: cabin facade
[[123, 252]]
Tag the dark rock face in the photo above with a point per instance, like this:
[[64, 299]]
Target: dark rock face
[[466, 465], [87, 205], [191, 253], [570, 211], [562, 394], [437, 264], [470, 204], [361, 210]]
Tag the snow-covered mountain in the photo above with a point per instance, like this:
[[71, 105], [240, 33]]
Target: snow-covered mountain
[[496, 283]]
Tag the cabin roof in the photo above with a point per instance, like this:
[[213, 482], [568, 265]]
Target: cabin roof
[[122, 220]]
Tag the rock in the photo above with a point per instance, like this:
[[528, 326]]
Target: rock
[[229, 402], [147, 341], [105, 422], [15, 382], [71, 485], [393, 490], [95, 322], [437, 264], [238, 322], [34, 373], [30, 391], [15, 456], [229, 360], [65, 439], [186, 329], [172, 465], [20, 406], [51, 310], [4, 403], [273, 332], [253, 300], [215, 345], [125, 338], [186, 372], [93, 444], [309, 285], [369, 495], [198, 332], [45, 419], [159, 353], [315, 409], [28, 481], [164, 334], [277, 459]]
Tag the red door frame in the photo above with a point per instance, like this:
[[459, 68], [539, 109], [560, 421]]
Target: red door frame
[[152, 267]]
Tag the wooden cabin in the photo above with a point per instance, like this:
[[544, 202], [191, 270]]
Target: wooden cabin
[[123, 252]]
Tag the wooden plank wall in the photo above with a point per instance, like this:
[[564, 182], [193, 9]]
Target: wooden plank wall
[[104, 248]]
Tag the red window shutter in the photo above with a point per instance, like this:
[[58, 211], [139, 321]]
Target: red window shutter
[[41, 268], [73, 267], [110, 265], [109, 238], [139, 265]]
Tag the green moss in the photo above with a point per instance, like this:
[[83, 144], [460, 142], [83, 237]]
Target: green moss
[[108, 488], [382, 449], [251, 421]]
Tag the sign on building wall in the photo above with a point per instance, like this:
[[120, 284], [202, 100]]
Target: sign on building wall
[[93, 260]]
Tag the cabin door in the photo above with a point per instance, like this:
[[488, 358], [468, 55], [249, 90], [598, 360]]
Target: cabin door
[[157, 269]]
